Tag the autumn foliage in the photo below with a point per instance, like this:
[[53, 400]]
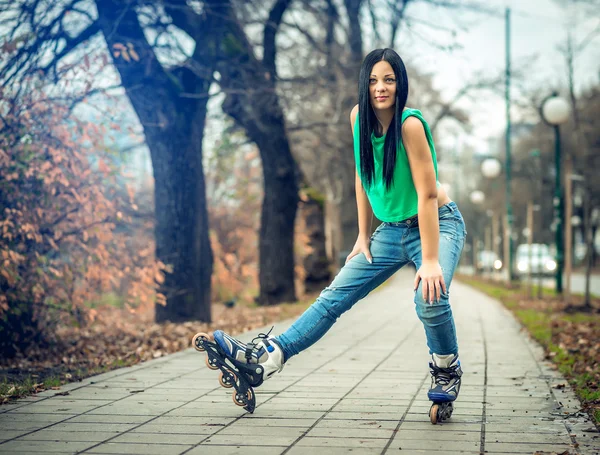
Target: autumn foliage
[[66, 225]]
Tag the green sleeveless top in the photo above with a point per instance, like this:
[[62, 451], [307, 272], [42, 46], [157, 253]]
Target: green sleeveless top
[[401, 202]]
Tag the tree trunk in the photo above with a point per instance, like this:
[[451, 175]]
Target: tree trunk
[[173, 127], [341, 218], [278, 215], [253, 103], [263, 121], [182, 226], [341, 212], [316, 263]]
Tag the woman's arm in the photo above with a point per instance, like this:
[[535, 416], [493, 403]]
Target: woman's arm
[[365, 211], [423, 174]]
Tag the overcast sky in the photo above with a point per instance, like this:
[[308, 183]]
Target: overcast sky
[[537, 28]]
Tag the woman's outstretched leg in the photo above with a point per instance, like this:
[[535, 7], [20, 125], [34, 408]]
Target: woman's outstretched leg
[[354, 281]]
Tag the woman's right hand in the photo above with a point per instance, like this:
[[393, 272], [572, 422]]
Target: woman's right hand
[[362, 245]]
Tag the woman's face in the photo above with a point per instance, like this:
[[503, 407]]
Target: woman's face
[[382, 86]]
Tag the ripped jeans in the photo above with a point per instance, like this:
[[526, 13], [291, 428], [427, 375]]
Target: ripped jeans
[[393, 245]]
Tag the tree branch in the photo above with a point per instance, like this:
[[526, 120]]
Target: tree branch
[[184, 18], [71, 43], [271, 27]]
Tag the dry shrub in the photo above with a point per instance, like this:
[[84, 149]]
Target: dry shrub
[[64, 227]]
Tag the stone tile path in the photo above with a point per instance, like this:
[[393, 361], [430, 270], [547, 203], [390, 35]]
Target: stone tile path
[[360, 390]]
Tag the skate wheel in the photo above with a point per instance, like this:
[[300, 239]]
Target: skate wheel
[[433, 413], [227, 381], [196, 341], [210, 365], [239, 399]]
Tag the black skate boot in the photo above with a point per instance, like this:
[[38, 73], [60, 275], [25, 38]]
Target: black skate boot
[[445, 385], [243, 366]]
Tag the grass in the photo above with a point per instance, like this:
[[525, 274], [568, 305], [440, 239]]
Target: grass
[[30, 383], [26, 386], [539, 324]]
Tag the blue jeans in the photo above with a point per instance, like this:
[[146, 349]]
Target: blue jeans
[[393, 245]]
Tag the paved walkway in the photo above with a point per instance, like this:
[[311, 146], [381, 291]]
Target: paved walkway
[[361, 389]]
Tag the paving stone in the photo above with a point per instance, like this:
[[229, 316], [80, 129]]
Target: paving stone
[[154, 428], [69, 436], [540, 446], [517, 437], [140, 449], [53, 408], [358, 424], [239, 450], [70, 426], [274, 430], [108, 418], [308, 450], [285, 422], [210, 421], [424, 443], [433, 435], [10, 434], [62, 447], [249, 440], [368, 433], [429, 452], [343, 442], [160, 438], [139, 407]]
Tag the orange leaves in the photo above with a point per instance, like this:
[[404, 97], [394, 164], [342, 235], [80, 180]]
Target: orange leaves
[[59, 243], [10, 278], [127, 53], [159, 277], [103, 168]]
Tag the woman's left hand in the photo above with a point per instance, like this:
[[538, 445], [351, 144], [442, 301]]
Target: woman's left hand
[[433, 281]]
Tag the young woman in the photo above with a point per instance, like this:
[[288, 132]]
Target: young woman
[[396, 179]]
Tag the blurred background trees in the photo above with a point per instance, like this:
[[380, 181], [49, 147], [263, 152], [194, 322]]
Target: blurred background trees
[[239, 110]]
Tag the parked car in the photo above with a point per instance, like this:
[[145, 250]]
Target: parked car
[[539, 262], [488, 261]]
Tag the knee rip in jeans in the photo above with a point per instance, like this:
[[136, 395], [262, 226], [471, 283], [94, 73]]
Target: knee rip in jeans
[[434, 314], [328, 306]]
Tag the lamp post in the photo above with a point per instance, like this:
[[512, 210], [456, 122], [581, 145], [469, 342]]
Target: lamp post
[[491, 168], [555, 111], [508, 170], [477, 197]]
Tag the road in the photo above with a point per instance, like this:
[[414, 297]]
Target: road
[[577, 281]]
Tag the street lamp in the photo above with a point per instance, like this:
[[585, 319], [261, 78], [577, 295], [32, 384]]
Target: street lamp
[[477, 197], [555, 111], [490, 168]]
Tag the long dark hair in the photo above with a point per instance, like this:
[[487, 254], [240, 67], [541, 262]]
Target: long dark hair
[[368, 121]]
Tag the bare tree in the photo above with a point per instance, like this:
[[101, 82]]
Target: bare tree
[[580, 154], [253, 103], [42, 37]]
